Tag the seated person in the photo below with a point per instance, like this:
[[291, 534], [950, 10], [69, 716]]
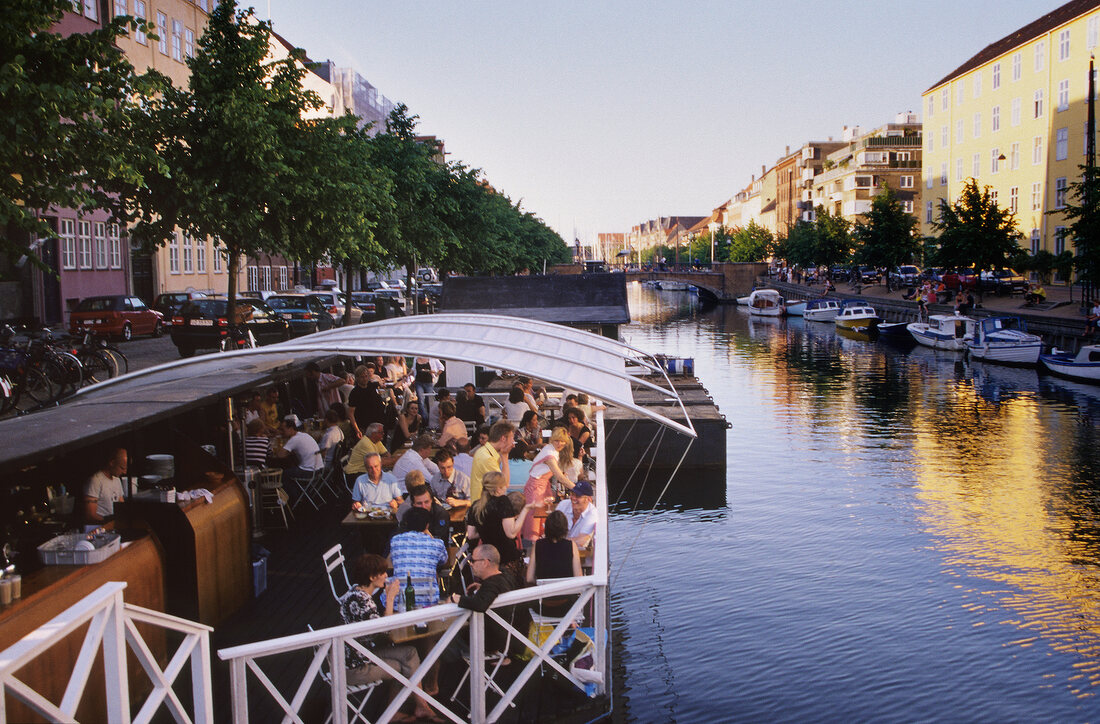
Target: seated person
[[104, 488], [370, 443], [300, 455], [469, 406], [420, 496], [332, 436], [580, 514], [418, 457], [554, 556], [358, 604], [450, 485], [489, 582], [406, 425], [375, 488], [464, 456], [1036, 294], [530, 431], [452, 427], [256, 443], [418, 554], [435, 419], [269, 410]]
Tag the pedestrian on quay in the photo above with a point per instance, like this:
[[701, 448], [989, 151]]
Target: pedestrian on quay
[[1093, 318]]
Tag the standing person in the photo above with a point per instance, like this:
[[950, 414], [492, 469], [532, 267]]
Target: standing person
[[269, 409], [470, 407], [358, 604], [493, 456], [365, 404], [104, 488], [322, 389], [578, 430], [493, 519], [544, 470], [424, 377], [516, 405]]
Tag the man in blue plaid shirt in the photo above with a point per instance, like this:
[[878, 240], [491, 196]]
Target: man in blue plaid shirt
[[419, 554]]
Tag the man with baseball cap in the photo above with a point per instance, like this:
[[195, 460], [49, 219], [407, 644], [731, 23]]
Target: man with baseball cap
[[580, 513]]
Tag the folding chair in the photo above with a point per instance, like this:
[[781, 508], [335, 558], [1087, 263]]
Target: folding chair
[[334, 558], [357, 694], [311, 489], [493, 661], [273, 497]]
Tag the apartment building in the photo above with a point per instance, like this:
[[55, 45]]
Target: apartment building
[[851, 175], [1012, 117], [670, 231]]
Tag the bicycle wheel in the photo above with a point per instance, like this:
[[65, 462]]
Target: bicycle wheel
[[74, 372], [122, 365], [34, 391], [56, 373], [98, 366]]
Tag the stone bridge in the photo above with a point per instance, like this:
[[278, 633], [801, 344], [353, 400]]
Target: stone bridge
[[724, 282]]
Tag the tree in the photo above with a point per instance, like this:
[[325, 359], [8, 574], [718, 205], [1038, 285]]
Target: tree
[[975, 231], [834, 238], [800, 246], [231, 143], [887, 236], [752, 243], [1083, 212], [69, 104]]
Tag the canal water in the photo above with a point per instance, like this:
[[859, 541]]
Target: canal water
[[900, 535]]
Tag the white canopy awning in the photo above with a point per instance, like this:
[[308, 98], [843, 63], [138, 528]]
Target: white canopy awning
[[556, 354]]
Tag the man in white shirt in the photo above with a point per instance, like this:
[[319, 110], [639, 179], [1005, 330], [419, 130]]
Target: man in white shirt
[[580, 514], [416, 458], [300, 455], [104, 488]]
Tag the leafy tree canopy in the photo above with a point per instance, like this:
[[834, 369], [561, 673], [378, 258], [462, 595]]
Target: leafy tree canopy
[[887, 236], [1082, 210], [975, 230], [751, 243]]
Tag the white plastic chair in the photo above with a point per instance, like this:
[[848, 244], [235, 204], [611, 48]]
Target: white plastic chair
[[493, 661], [357, 694], [333, 559]]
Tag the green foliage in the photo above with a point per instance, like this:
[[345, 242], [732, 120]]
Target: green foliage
[[752, 243], [1083, 212], [824, 242], [887, 236], [1042, 263], [69, 107], [975, 231]]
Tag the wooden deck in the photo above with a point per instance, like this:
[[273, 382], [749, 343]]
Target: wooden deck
[[298, 595]]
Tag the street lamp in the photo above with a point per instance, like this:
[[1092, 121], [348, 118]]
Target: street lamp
[[713, 226]]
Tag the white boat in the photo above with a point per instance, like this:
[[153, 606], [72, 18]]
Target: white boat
[[821, 310], [1085, 365], [674, 286], [744, 301], [796, 309], [1005, 340], [944, 331], [766, 303], [857, 314]]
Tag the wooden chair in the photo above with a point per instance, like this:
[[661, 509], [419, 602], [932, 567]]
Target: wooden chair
[[273, 498]]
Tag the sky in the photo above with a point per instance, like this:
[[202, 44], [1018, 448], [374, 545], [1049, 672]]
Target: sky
[[599, 115]]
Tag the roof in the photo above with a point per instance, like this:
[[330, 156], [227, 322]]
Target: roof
[[1053, 19], [563, 298], [571, 358]]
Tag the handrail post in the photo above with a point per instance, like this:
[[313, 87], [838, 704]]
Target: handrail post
[[116, 680], [238, 686], [202, 683], [477, 667], [339, 688]]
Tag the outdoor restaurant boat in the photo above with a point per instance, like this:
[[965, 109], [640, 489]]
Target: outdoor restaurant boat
[[298, 675], [856, 314], [766, 303], [943, 331], [820, 310], [1005, 340], [1084, 365]]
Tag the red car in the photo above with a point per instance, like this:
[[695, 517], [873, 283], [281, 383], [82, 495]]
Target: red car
[[964, 279], [117, 316]]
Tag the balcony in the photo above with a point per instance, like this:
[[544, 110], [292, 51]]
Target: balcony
[[905, 164], [895, 141]]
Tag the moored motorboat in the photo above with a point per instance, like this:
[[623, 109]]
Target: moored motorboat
[[857, 314], [796, 309], [944, 331], [766, 303], [894, 331], [1005, 340], [1084, 365], [820, 310]]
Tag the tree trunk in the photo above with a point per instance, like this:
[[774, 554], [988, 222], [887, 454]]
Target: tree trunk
[[347, 293], [234, 259]]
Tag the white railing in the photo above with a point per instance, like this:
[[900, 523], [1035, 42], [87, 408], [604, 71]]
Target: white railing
[[328, 647], [111, 629]]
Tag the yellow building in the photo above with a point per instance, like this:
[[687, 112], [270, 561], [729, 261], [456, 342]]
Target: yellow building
[[1013, 117]]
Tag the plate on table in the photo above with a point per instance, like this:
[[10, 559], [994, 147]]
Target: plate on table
[[379, 514]]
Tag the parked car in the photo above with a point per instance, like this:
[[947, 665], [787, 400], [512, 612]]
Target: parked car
[[905, 276], [426, 275], [933, 274], [262, 295], [964, 279], [380, 286], [1003, 281], [839, 274], [376, 306], [869, 275], [305, 313], [169, 304], [203, 323], [116, 315], [334, 302]]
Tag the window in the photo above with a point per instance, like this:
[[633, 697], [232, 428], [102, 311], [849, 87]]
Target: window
[[907, 182], [1061, 147], [174, 253], [944, 138], [978, 85], [994, 160], [121, 8], [1013, 199], [1059, 239], [931, 141], [1037, 151], [996, 76], [904, 155], [977, 125], [66, 230], [1014, 157], [217, 257], [928, 212], [960, 131], [162, 33], [1016, 66], [90, 10], [1036, 196], [1063, 95], [976, 169], [283, 283], [960, 91], [177, 40], [907, 206], [100, 240], [1093, 27], [1040, 55], [253, 279], [931, 106], [188, 257], [1015, 111], [189, 43], [265, 278], [1063, 45], [943, 173], [959, 169], [928, 180], [139, 13], [993, 197], [945, 99], [1039, 103], [114, 242], [1060, 192], [996, 122], [200, 256], [84, 243]]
